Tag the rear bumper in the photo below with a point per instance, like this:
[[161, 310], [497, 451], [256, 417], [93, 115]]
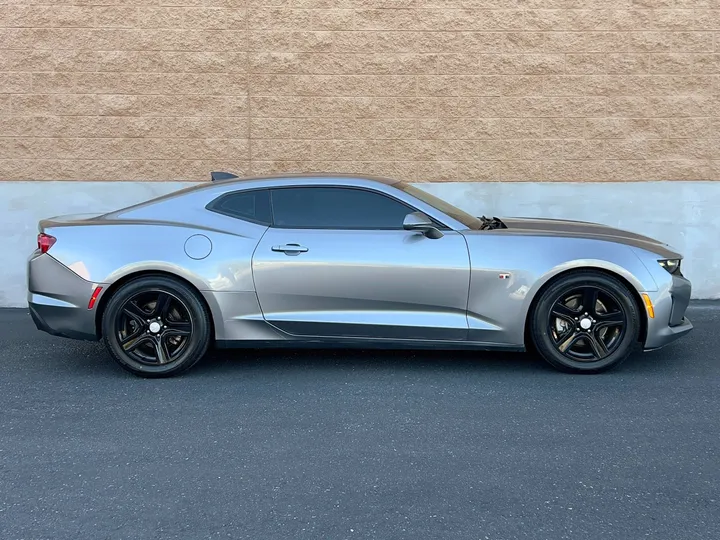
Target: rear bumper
[[58, 299], [670, 322]]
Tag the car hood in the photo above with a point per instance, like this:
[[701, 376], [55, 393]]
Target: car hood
[[582, 229]]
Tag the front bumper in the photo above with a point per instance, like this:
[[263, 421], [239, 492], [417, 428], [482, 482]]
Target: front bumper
[[58, 299], [670, 322]]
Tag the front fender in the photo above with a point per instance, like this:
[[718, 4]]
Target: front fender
[[508, 271]]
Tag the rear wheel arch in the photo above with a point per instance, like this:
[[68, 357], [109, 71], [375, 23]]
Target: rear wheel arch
[[117, 285], [586, 269]]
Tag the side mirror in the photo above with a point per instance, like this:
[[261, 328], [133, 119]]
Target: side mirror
[[417, 221]]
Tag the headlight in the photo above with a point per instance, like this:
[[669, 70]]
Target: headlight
[[671, 265]]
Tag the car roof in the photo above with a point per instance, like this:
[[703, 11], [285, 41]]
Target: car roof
[[207, 191], [309, 176], [202, 193]]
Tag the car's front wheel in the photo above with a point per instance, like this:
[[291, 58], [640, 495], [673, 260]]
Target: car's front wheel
[[585, 322], [156, 326]]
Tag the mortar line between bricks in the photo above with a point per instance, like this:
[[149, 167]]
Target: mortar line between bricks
[[248, 94]]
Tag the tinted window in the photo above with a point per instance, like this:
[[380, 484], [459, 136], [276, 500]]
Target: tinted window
[[336, 208], [246, 205]]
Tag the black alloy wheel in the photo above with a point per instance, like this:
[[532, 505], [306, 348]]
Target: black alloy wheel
[[156, 326], [585, 322]]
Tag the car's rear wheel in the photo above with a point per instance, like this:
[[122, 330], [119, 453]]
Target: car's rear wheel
[[585, 322], [156, 327]]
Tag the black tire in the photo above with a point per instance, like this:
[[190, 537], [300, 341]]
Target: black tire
[[156, 326], [585, 322]]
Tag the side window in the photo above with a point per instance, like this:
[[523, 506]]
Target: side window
[[246, 205], [336, 208]]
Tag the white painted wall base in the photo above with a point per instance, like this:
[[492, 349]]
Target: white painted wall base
[[684, 214]]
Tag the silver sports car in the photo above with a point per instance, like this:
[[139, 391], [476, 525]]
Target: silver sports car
[[348, 261]]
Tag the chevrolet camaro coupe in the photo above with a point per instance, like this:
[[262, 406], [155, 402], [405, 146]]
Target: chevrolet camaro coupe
[[348, 261]]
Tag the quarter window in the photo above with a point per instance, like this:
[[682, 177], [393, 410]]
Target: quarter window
[[336, 208], [246, 205]]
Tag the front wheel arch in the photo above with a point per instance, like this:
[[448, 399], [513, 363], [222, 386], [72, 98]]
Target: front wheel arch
[[117, 285], [538, 294]]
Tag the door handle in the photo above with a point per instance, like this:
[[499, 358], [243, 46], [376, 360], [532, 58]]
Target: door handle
[[290, 249]]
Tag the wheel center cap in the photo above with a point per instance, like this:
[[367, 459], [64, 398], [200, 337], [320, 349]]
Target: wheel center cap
[[585, 324], [155, 327]]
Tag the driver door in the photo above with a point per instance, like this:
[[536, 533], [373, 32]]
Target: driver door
[[338, 263]]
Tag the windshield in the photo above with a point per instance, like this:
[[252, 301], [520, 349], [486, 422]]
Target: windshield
[[445, 207]]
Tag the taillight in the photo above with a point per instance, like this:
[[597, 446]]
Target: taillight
[[45, 242]]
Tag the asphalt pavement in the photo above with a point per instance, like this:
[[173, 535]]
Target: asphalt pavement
[[358, 444]]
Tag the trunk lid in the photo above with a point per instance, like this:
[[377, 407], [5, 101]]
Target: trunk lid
[[66, 220]]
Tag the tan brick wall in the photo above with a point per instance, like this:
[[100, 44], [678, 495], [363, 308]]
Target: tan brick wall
[[510, 90]]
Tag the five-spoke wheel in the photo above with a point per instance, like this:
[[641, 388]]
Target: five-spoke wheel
[[156, 326], [585, 322]]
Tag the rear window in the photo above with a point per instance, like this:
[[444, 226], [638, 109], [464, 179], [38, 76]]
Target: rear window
[[251, 206]]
